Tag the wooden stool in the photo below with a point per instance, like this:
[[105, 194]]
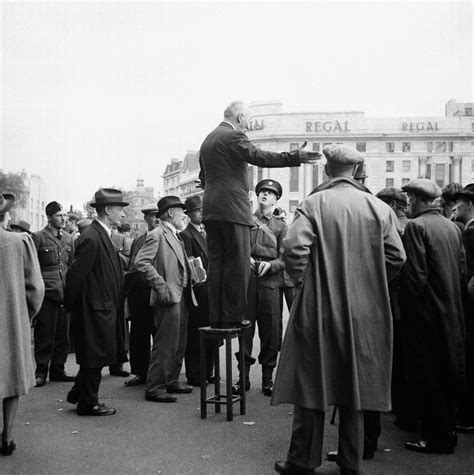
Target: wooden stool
[[218, 399]]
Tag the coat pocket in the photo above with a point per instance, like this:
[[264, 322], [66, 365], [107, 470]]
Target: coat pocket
[[48, 256]]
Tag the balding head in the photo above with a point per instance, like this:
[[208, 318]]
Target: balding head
[[238, 114]]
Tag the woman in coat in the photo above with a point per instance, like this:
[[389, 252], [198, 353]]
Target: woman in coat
[[21, 295]]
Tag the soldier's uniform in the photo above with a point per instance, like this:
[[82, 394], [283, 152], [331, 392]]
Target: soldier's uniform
[[55, 254], [264, 303]]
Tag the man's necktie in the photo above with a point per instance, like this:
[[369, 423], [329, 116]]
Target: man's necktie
[[58, 235]]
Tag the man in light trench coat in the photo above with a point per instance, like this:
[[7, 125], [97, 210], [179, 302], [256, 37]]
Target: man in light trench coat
[[341, 251]]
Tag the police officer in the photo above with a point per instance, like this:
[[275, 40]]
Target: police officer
[[263, 306], [55, 253]]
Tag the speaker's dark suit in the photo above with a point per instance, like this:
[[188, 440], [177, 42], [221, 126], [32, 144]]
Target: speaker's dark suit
[[224, 157], [142, 327], [196, 246]]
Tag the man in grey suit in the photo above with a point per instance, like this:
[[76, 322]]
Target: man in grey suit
[[224, 158], [164, 264]]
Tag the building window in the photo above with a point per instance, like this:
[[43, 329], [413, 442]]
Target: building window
[[406, 166], [294, 146], [293, 204], [361, 146], [429, 146], [388, 182], [472, 126], [259, 174], [389, 165], [440, 172], [450, 146], [294, 179], [250, 177], [405, 181], [468, 111], [440, 147], [390, 147], [315, 176], [316, 146], [406, 146]]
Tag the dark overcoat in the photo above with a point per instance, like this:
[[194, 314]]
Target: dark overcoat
[[431, 295], [93, 296]]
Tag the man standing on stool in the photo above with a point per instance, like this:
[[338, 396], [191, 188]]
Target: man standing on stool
[[263, 305], [224, 158], [55, 253]]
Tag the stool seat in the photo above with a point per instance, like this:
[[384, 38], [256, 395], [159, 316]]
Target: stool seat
[[228, 399]]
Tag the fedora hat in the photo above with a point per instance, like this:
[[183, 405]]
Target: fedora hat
[[192, 203], [108, 197], [22, 226], [6, 202], [467, 192], [150, 208], [168, 202]]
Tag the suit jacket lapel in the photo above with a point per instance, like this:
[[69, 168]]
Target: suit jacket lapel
[[199, 239], [176, 245], [111, 251]]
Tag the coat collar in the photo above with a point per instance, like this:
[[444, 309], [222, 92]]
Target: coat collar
[[110, 249], [174, 243], [199, 238]]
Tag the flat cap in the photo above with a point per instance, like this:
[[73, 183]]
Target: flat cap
[[150, 208], [423, 187], [22, 225], [342, 155], [269, 184], [392, 193], [52, 208]]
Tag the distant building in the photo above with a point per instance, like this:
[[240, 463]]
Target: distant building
[[180, 176], [33, 212], [171, 178], [138, 198]]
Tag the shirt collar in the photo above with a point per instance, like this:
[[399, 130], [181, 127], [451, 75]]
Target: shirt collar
[[199, 227], [107, 229], [232, 125], [169, 225], [54, 230]]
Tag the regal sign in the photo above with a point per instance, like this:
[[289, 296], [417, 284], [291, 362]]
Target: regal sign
[[327, 126], [419, 126]]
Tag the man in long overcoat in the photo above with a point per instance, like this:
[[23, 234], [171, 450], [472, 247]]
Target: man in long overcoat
[[341, 251], [93, 296], [431, 296], [224, 157]]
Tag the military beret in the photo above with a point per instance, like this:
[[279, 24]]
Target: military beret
[[342, 155], [467, 192], [150, 208], [392, 193], [52, 208], [269, 184], [423, 187]]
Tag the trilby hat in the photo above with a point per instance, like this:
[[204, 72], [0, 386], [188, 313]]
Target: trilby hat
[[108, 197], [168, 202], [21, 225], [150, 208], [192, 203], [466, 192]]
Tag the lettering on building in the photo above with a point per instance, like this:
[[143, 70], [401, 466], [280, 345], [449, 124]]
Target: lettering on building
[[327, 126], [257, 125], [419, 126]]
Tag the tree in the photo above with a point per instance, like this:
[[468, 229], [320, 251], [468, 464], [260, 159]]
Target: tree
[[17, 185]]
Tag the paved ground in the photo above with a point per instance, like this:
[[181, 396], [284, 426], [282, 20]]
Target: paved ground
[[148, 437]]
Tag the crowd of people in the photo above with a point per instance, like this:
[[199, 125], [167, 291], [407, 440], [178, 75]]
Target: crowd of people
[[380, 290]]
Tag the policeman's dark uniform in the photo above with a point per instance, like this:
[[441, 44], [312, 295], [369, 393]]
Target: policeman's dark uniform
[[263, 298], [55, 253]]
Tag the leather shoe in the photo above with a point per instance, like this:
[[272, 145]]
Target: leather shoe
[[160, 397], [267, 388], [97, 410], [237, 385], [228, 325], [424, 447], [136, 381], [119, 372], [72, 397], [289, 468], [62, 378], [40, 381], [178, 388], [8, 447]]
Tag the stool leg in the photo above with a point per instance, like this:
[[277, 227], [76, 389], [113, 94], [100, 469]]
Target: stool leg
[[242, 374], [228, 376], [202, 376], [217, 373]]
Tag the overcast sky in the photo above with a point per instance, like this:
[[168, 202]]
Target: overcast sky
[[98, 94]]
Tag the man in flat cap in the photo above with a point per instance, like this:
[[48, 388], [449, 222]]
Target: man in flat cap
[[20, 227], [137, 291], [266, 279], [195, 242], [338, 343], [464, 213], [431, 299], [55, 253], [398, 201], [93, 296], [447, 201], [224, 158], [164, 264]]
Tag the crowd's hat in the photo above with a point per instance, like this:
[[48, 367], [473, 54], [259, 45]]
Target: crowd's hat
[[168, 202], [74, 216], [423, 187], [392, 193], [192, 203], [21, 225], [361, 172], [150, 208], [450, 191], [52, 208], [269, 184], [466, 192], [108, 197], [6, 202], [341, 156]]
